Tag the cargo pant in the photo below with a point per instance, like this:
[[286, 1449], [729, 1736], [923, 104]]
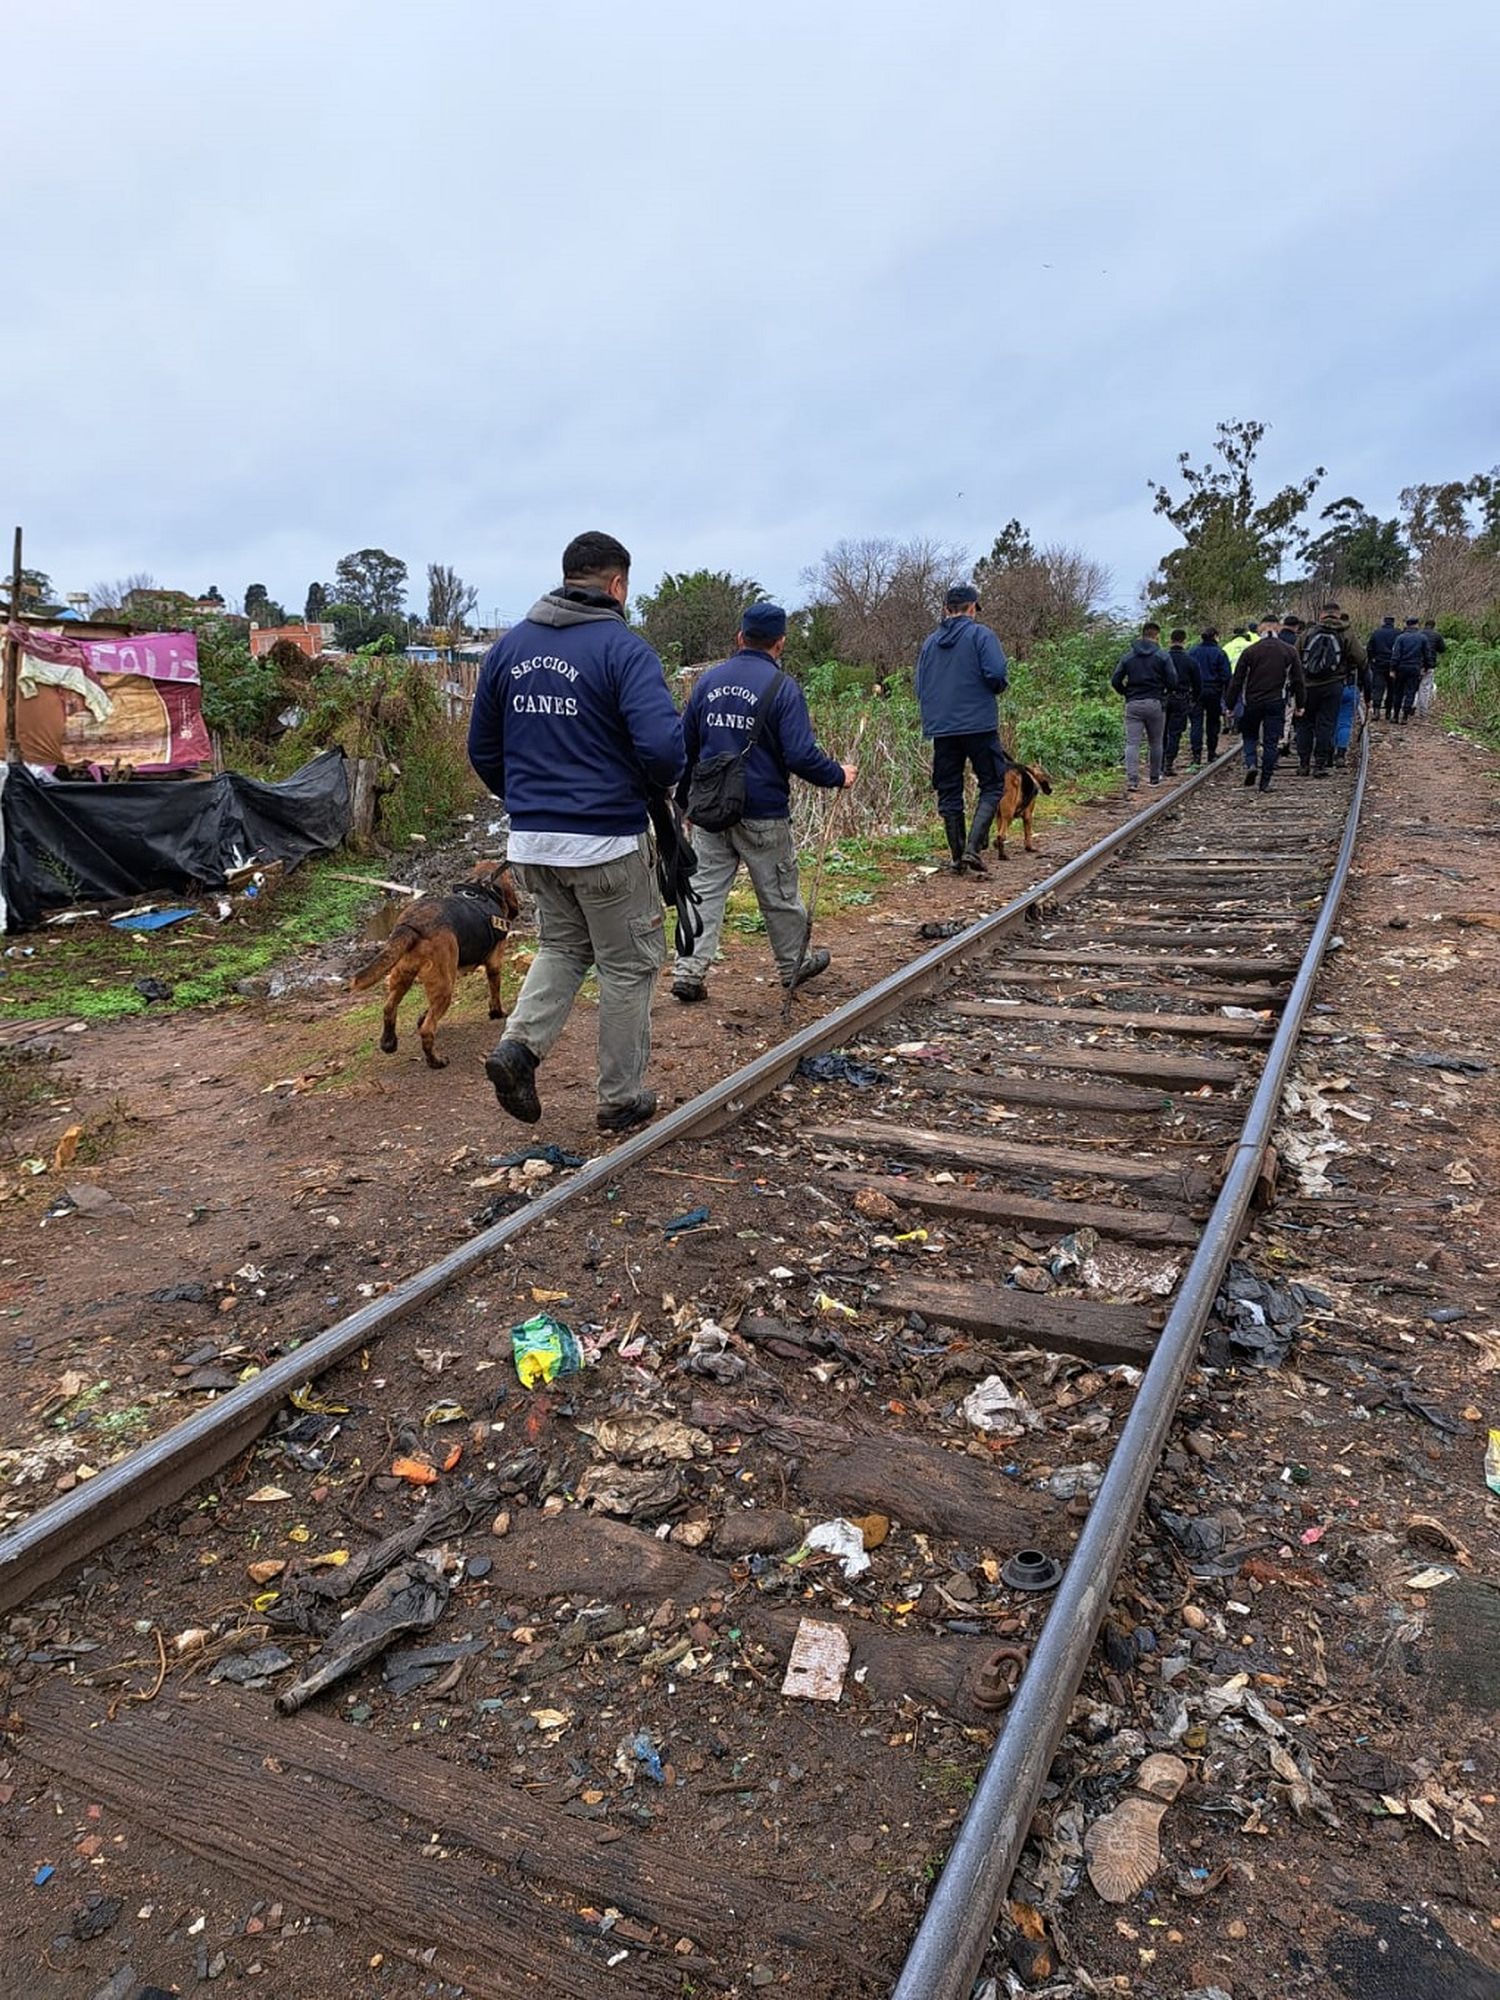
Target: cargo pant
[[769, 853], [1144, 718], [607, 916]]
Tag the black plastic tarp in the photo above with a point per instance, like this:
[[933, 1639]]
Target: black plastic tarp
[[77, 841]]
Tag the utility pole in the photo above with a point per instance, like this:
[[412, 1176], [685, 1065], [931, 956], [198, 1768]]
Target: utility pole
[[13, 659]]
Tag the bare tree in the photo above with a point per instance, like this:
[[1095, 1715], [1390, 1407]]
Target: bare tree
[[1035, 594], [105, 597], [450, 600], [884, 596]]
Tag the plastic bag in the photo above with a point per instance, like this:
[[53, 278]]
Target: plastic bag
[[543, 1348]]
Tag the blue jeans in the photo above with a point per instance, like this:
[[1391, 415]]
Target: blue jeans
[[1261, 729], [1343, 728]]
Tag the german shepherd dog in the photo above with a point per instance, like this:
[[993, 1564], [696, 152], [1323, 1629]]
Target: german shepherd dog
[[1023, 785], [435, 939]]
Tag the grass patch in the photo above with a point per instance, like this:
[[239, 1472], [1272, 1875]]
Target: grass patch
[[90, 972]]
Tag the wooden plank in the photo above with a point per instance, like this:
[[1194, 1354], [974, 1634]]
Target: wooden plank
[[1063, 1326], [1173, 1072], [1212, 1026], [312, 1810], [1208, 996], [974, 1149], [1021, 1211], [1228, 964], [1125, 1099]]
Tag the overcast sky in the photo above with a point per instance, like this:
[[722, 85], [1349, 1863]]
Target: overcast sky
[[458, 279]]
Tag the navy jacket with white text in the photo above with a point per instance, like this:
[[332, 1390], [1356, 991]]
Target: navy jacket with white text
[[572, 721], [718, 719]]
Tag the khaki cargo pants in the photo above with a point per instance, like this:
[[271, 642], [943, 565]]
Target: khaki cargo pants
[[769, 853], [607, 916]]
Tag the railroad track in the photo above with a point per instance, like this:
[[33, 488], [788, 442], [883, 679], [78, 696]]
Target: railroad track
[[1032, 1162]]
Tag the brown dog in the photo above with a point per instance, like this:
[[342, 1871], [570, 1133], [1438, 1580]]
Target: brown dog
[[437, 938], [1024, 783]]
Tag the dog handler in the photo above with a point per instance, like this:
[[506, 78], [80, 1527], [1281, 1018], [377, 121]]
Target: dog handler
[[961, 673], [721, 719], [572, 726]]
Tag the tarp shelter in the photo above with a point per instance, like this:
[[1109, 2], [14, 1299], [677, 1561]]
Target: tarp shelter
[[104, 703], [62, 841]]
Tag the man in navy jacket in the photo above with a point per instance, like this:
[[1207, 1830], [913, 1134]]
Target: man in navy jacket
[[720, 714], [573, 727], [1214, 668], [961, 673]]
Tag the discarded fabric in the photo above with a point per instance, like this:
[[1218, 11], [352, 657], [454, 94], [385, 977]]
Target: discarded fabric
[[836, 1067], [554, 1156], [694, 1218]]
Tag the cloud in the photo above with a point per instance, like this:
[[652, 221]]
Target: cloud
[[459, 280]]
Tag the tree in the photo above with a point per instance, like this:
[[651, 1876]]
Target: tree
[[1030, 594], [316, 606], [110, 597], [212, 595], [372, 581], [1356, 548], [450, 601], [35, 594], [885, 596], [261, 608], [1234, 546], [1454, 532], [695, 614]]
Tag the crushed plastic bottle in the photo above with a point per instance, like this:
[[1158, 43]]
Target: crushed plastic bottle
[[1492, 1463]]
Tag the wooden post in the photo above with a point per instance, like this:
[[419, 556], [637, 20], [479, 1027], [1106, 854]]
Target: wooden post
[[13, 660]]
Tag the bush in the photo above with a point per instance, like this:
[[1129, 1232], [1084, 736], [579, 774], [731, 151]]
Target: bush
[[1468, 687]]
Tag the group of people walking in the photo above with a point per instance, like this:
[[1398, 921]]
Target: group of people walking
[[1321, 669]]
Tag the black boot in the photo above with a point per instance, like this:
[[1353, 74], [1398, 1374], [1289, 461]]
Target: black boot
[[979, 834], [953, 826]]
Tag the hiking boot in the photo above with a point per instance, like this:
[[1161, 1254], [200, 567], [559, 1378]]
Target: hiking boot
[[511, 1068], [812, 966], [1304, 770], [1249, 778], [625, 1117], [974, 863], [688, 990], [1265, 784]]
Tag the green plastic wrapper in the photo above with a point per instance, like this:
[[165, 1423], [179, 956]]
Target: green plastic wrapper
[[543, 1348]]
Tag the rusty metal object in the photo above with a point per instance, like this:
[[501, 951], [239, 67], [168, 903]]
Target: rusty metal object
[[997, 1677]]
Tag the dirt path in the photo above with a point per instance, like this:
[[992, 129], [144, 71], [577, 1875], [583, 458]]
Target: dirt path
[[270, 1168]]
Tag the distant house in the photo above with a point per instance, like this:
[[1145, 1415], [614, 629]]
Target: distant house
[[310, 639]]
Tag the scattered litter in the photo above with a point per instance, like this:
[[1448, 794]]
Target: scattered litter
[[839, 1538], [151, 920], [1072, 1252], [66, 1149], [818, 1661], [646, 1440], [252, 1670], [1431, 1579], [708, 1354], [409, 1598], [694, 1218], [1070, 1482], [947, 928], [1492, 1462], [1031, 1569], [639, 1494], [543, 1348], [153, 989], [836, 1067], [1257, 1322], [1128, 1273], [1461, 1065], [637, 1756], [415, 1471], [552, 1156], [993, 1406], [1124, 1848], [265, 1494], [827, 1304]]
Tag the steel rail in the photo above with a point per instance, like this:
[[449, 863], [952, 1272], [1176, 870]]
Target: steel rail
[[960, 1917], [126, 1493]]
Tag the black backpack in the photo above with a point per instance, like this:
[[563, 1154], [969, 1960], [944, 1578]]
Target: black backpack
[[716, 790], [1324, 657]]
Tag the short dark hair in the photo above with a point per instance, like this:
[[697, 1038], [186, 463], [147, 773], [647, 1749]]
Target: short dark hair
[[1210, 634], [1178, 636], [1149, 627], [594, 554], [1429, 621], [1333, 605]]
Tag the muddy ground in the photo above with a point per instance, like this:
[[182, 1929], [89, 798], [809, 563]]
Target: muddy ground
[[1334, 1836]]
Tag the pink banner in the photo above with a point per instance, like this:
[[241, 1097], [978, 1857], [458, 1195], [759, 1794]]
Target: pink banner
[[157, 656]]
